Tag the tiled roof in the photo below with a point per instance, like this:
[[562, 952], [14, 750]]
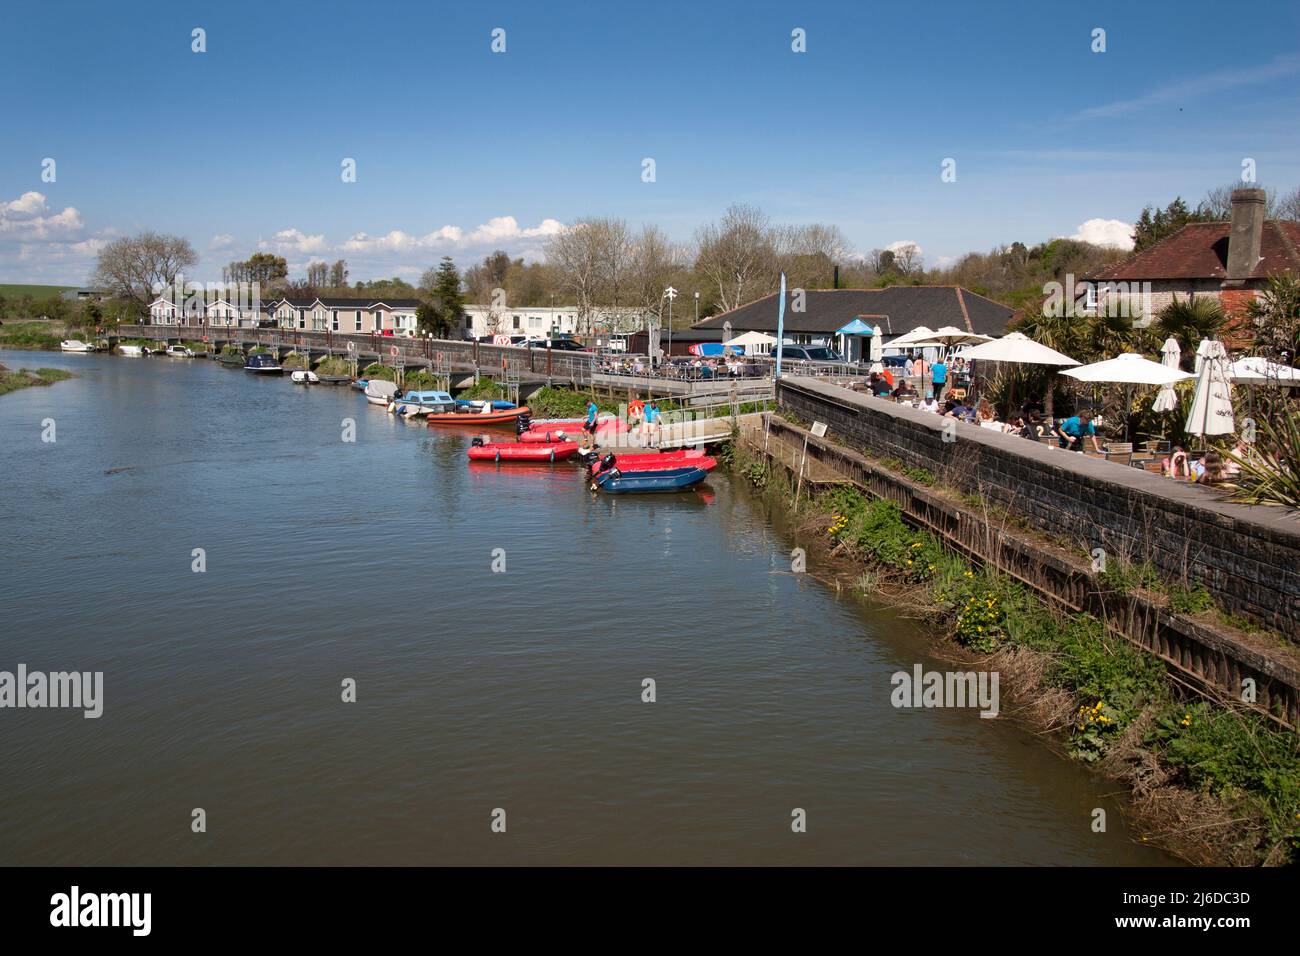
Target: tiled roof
[[1200, 251], [897, 309]]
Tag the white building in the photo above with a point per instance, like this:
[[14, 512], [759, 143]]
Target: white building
[[541, 322]]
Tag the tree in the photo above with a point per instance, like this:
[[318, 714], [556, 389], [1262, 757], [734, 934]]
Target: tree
[[737, 255], [654, 261], [1275, 314], [140, 267], [338, 274], [444, 308], [576, 253], [1155, 224], [1189, 320], [1288, 207], [318, 275]]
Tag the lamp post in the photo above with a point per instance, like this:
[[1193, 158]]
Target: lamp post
[[672, 294], [697, 308]]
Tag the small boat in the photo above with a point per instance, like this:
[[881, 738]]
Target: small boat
[[77, 345], [263, 363], [533, 436], [333, 379], [179, 351], [304, 377], [360, 384], [477, 404], [616, 482], [514, 451], [466, 417], [665, 462], [380, 392], [574, 425], [416, 404], [135, 351]]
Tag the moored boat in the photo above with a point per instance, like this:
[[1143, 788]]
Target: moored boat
[[516, 451], [616, 482], [380, 392], [135, 351], [465, 416], [417, 403], [661, 462], [263, 363], [77, 345], [304, 377]]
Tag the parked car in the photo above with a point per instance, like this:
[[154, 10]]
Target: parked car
[[809, 353], [559, 345]]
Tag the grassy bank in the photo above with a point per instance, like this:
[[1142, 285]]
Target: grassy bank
[[1211, 782], [25, 378], [34, 334]]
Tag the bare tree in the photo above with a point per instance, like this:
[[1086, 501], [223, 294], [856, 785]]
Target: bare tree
[[737, 255], [1218, 202], [318, 275], [809, 254], [654, 261], [140, 267], [577, 254], [339, 274], [1288, 207], [907, 258]]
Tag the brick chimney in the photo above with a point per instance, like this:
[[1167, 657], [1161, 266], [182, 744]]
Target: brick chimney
[[1248, 207]]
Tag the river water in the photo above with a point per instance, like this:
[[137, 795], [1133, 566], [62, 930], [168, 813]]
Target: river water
[[476, 690]]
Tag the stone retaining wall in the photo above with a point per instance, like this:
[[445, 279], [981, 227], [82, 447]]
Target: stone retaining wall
[[1247, 557]]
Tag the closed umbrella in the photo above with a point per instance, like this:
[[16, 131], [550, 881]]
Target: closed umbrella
[[1211, 412], [1167, 398], [876, 350], [1129, 370]]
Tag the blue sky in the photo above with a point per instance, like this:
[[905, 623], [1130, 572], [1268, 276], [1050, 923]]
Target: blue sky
[[459, 149]]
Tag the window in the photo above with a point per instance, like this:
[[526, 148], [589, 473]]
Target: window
[[335, 319], [379, 323], [358, 320], [302, 318], [515, 320]]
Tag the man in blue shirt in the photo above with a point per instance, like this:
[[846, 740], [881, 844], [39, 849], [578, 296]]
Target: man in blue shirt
[[652, 423], [1071, 432]]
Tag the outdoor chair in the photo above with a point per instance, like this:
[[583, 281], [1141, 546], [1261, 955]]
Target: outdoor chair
[[1121, 457]]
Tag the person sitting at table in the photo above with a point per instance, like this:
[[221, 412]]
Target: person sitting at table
[[879, 387], [984, 412], [1072, 432], [1176, 465], [1210, 469], [929, 403], [905, 391], [951, 409]]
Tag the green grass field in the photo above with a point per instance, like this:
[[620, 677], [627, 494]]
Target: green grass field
[[13, 291]]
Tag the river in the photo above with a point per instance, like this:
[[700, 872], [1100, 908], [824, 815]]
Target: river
[[475, 690]]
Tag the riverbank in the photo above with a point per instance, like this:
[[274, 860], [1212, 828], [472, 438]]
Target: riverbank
[[1210, 782], [32, 334], [26, 378]]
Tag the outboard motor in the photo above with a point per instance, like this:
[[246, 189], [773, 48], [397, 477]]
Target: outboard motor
[[478, 441], [522, 424], [603, 464]]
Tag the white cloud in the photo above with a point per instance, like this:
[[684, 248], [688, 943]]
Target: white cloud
[[29, 217], [1186, 90], [222, 241], [895, 247], [293, 242], [1106, 232]]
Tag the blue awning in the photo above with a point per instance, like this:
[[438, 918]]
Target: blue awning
[[856, 327]]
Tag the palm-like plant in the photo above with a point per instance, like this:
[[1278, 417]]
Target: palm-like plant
[[1189, 320], [1270, 471]]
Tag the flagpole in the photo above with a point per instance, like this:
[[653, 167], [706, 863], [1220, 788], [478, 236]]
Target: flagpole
[[780, 327]]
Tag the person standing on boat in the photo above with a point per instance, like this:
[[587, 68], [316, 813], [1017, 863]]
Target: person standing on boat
[[652, 423], [589, 426]]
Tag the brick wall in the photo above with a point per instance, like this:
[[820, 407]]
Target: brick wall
[[1248, 557]]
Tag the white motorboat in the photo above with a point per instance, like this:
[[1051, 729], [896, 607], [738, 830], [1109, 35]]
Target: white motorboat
[[135, 351], [76, 345], [304, 377], [180, 351], [380, 392]]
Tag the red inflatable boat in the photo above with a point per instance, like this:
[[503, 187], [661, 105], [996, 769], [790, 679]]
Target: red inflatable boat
[[549, 436], [515, 451], [656, 462]]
